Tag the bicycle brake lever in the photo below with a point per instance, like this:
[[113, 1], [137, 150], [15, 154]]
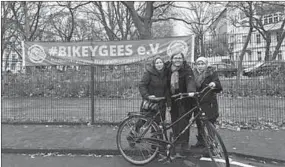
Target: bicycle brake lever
[[180, 98]]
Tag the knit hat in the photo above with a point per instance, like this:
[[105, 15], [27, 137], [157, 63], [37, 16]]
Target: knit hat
[[203, 59], [177, 54]]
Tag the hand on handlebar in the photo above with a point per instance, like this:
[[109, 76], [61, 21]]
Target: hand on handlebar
[[183, 95], [154, 98], [151, 97], [212, 85], [191, 94]]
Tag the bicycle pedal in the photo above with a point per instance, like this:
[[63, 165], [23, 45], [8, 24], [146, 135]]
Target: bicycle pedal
[[178, 156], [162, 158], [167, 162]]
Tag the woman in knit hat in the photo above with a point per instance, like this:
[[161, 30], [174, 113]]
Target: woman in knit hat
[[180, 80], [205, 75]]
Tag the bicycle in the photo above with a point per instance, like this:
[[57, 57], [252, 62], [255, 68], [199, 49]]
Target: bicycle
[[157, 140]]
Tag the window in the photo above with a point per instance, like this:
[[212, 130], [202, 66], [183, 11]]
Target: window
[[275, 18], [280, 16], [270, 19], [280, 55], [249, 56], [278, 35], [265, 20], [259, 56], [258, 38], [243, 39], [231, 47]]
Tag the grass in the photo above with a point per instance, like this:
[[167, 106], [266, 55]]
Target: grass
[[114, 110]]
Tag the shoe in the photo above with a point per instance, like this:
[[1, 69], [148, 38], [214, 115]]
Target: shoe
[[200, 143], [179, 156]]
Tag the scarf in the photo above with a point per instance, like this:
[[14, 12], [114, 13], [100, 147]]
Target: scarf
[[199, 77], [174, 82]]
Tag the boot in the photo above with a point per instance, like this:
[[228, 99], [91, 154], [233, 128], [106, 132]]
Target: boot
[[200, 143]]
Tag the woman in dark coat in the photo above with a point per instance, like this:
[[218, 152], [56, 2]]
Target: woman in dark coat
[[204, 76], [180, 80], [154, 84]]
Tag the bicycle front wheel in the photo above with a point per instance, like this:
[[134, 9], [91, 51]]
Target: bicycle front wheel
[[134, 148], [216, 146]]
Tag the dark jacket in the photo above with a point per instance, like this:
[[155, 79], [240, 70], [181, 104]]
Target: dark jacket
[[210, 103], [186, 83], [153, 83]]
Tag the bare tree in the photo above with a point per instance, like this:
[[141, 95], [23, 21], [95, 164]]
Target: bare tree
[[64, 21], [21, 22], [248, 9], [262, 9], [271, 7], [113, 19], [145, 13], [198, 17], [162, 29], [6, 28]]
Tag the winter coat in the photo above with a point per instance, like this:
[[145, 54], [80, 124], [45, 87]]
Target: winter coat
[[209, 103], [186, 83], [153, 83]]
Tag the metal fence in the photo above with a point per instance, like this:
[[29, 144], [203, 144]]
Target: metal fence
[[52, 94]]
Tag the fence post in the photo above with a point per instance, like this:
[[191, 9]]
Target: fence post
[[92, 95]]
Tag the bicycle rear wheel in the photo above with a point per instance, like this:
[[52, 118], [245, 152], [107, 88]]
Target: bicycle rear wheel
[[216, 146], [134, 149]]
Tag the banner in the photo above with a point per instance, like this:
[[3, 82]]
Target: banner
[[103, 53]]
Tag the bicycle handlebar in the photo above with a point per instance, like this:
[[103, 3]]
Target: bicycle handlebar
[[185, 95], [156, 98]]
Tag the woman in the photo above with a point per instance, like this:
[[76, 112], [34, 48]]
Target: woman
[[206, 76], [153, 84], [180, 80]]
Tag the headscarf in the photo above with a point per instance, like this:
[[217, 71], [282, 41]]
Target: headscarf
[[174, 81], [200, 75], [160, 72]]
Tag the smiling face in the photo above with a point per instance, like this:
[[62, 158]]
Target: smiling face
[[201, 66], [177, 60], [158, 64]]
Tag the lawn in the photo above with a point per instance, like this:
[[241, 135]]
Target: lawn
[[114, 110]]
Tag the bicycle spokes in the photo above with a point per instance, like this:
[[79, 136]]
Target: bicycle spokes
[[215, 145], [132, 143]]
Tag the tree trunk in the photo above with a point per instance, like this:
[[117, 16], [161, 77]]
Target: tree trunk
[[27, 32], [143, 24], [196, 48], [267, 49], [276, 51], [242, 56], [202, 45], [282, 36]]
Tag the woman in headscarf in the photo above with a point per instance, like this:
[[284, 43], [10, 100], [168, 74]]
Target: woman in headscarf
[[205, 75], [153, 84], [180, 80]]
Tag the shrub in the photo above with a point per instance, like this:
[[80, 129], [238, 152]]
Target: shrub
[[73, 83]]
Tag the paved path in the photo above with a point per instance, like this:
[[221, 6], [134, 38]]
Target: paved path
[[260, 143], [13, 160]]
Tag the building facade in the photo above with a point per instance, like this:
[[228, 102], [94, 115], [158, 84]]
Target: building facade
[[256, 49], [12, 62]]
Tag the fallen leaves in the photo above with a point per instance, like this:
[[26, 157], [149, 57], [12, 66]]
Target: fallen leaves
[[66, 155], [260, 124]]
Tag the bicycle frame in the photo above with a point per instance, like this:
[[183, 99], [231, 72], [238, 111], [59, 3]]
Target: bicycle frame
[[165, 128]]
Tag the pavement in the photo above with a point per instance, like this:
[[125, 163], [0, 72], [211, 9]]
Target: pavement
[[21, 160], [267, 145]]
